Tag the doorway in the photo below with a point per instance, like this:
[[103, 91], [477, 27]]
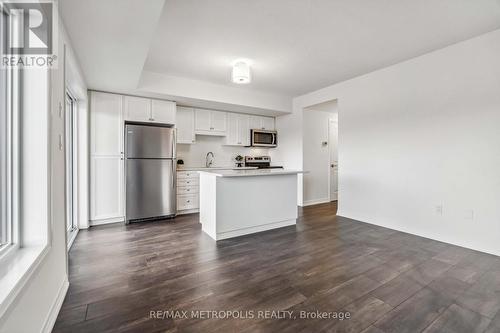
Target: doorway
[[334, 163], [71, 168]]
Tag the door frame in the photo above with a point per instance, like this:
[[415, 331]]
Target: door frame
[[330, 121], [71, 234]]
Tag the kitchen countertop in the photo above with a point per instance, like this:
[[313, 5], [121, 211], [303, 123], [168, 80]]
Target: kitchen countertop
[[214, 168], [251, 173]]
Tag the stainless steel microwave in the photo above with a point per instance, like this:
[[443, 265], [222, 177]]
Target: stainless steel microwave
[[263, 138]]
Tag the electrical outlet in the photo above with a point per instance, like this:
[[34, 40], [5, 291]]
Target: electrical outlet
[[469, 214], [439, 210]]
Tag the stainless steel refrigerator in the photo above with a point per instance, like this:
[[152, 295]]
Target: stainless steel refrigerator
[[150, 156]]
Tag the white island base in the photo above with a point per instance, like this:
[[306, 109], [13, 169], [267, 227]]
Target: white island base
[[236, 203]]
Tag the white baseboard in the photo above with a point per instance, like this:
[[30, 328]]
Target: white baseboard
[[315, 202], [72, 238], [188, 211], [56, 307], [252, 230], [106, 221]]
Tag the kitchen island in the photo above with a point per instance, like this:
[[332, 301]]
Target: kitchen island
[[240, 202]]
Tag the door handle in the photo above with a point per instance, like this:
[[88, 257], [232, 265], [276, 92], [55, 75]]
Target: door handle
[[173, 174], [174, 146]]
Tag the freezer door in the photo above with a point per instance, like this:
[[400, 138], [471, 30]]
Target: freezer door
[[144, 141], [150, 188]]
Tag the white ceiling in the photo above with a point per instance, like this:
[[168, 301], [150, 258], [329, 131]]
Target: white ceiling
[[111, 38], [298, 46]]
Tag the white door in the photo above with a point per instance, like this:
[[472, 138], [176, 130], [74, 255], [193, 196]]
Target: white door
[[106, 124], [106, 187], [202, 120], [163, 111], [268, 123], [137, 109], [218, 121], [333, 143], [185, 125]]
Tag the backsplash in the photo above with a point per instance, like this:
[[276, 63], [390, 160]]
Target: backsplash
[[194, 155]]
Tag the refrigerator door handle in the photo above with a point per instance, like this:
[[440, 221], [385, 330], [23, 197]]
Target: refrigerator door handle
[[174, 140], [173, 173]]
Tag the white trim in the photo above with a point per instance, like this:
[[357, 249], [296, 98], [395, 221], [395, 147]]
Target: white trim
[[56, 307], [188, 211], [21, 263], [106, 221], [252, 230], [315, 202], [73, 235], [330, 194]]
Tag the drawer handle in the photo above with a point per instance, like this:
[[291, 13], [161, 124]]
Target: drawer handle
[[189, 201]]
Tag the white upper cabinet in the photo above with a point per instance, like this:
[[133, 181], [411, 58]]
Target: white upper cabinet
[[218, 120], [267, 123], [106, 124], [202, 120], [148, 110], [260, 122], [137, 109], [238, 130], [185, 125], [208, 122], [163, 111]]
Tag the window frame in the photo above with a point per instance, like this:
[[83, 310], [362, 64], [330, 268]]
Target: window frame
[[13, 94]]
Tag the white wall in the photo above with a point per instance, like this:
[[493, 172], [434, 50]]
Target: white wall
[[35, 308], [194, 155], [316, 155], [289, 150], [421, 134], [75, 83]]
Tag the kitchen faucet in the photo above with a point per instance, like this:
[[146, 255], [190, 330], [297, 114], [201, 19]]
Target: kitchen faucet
[[209, 161]]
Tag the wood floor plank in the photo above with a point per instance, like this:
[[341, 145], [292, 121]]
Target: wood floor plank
[[387, 280]]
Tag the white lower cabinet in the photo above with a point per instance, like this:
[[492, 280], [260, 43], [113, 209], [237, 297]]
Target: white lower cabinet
[[188, 203], [188, 190], [106, 189]]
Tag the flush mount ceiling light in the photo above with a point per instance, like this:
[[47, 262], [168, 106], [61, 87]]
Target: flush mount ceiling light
[[241, 72]]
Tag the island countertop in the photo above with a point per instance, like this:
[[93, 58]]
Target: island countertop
[[250, 173], [200, 168]]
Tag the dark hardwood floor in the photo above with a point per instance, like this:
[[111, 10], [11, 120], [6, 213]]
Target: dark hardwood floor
[[388, 281]]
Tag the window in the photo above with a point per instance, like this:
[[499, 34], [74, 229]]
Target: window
[[5, 142]]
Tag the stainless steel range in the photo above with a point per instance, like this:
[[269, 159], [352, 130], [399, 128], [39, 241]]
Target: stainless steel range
[[261, 162]]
